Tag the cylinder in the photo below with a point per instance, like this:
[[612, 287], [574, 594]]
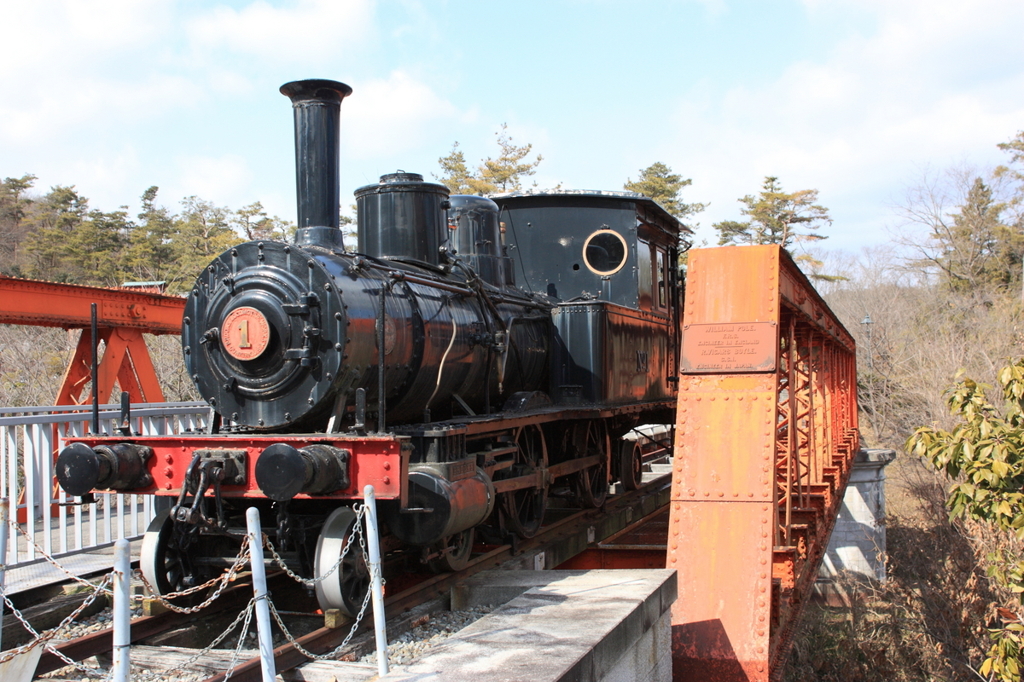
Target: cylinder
[[122, 612], [260, 594], [440, 508], [317, 105], [477, 237], [376, 580]]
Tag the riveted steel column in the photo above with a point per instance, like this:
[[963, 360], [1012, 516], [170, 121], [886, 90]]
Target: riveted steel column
[[766, 426], [723, 518]]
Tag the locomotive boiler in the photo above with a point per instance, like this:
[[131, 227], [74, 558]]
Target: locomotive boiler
[[468, 356], [280, 337]]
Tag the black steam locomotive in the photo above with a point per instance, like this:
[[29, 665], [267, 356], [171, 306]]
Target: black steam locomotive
[[470, 355]]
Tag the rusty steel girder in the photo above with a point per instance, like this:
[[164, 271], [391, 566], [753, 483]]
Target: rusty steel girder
[[766, 435], [122, 317]]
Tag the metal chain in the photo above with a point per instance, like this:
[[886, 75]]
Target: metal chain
[[360, 511], [245, 614], [241, 636], [357, 529], [47, 635], [309, 654], [243, 557], [224, 579]]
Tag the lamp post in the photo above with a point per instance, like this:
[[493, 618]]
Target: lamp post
[[867, 322]]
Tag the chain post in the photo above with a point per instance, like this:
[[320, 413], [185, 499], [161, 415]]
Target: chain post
[[122, 636], [259, 585], [376, 585], [4, 516]]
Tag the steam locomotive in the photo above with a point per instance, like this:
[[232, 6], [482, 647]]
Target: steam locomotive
[[470, 356]]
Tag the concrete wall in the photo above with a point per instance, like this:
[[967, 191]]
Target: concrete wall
[[564, 626], [649, 659], [857, 546]]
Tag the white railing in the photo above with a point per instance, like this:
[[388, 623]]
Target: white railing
[[31, 437]]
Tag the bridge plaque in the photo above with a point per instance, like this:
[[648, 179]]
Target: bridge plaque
[[729, 348]]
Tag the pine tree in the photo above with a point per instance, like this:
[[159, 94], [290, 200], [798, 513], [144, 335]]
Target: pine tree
[[52, 221], [254, 224], [455, 174], [201, 233], [776, 217], [783, 218], [505, 173], [150, 254], [14, 204], [658, 182], [973, 248]]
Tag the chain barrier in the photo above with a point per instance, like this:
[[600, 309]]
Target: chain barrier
[[104, 588], [45, 636], [224, 578], [244, 617], [356, 534], [360, 511], [331, 655], [357, 531], [228, 576]]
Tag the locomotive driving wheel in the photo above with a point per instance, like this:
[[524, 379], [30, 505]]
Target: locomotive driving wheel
[[161, 559], [452, 553], [523, 509], [631, 463], [590, 439], [342, 582]]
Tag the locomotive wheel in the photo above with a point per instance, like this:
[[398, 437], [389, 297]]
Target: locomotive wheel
[[460, 546], [161, 560], [631, 464], [524, 509], [591, 438], [345, 587]]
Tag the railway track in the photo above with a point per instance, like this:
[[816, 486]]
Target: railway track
[[566, 533]]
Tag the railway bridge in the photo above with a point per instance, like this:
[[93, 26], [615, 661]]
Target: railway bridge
[[766, 434]]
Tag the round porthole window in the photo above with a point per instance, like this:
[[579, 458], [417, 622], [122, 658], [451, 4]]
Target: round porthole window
[[604, 252]]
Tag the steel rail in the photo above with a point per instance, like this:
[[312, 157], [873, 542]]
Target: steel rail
[[100, 642]]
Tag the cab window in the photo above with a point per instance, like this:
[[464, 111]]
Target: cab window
[[645, 280], [661, 273]]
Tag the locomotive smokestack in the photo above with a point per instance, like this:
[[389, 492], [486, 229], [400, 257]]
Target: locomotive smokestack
[[317, 104]]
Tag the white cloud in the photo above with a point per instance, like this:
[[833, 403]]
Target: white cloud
[[929, 85], [68, 36], [103, 93], [223, 179], [305, 29], [386, 117]]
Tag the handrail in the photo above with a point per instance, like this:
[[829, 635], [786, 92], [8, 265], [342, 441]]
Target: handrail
[[60, 414], [31, 436]]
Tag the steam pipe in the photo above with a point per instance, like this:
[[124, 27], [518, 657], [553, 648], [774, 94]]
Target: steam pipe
[[316, 105]]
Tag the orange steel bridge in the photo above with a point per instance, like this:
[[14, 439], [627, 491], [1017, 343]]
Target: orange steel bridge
[[766, 436]]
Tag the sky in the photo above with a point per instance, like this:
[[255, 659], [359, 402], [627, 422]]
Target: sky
[[854, 98]]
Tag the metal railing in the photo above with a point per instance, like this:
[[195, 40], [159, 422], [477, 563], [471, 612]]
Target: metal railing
[[31, 437]]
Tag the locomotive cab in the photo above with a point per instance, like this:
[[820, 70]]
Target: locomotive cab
[[608, 259]]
